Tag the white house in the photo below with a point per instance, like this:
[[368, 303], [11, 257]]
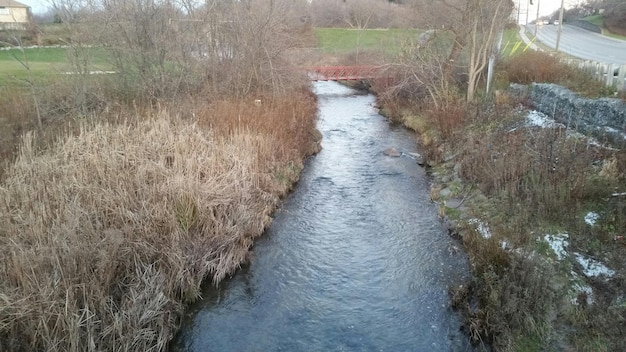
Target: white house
[[14, 15]]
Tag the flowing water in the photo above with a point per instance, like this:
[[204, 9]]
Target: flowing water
[[355, 260]]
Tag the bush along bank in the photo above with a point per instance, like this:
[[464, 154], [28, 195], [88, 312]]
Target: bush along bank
[[540, 210], [109, 232]]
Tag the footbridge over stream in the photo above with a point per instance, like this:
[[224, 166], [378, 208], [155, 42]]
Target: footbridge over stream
[[346, 73]]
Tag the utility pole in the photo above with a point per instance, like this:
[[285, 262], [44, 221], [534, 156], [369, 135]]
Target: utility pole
[[527, 10], [558, 30], [527, 5], [537, 19]]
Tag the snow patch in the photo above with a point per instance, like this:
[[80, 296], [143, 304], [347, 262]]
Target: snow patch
[[591, 218], [536, 118], [592, 267], [558, 243], [482, 229], [579, 287]]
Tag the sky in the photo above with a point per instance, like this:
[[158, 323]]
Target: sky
[[546, 7]]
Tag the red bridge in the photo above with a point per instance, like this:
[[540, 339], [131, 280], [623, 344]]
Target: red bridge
[[344, 73]]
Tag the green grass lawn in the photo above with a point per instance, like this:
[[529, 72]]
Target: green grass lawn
[[598, 20], [343, 40], [512, 43], [42, 62]]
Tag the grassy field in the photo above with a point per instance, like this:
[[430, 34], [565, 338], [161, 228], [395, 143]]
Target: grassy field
[[598, 20], [43, 61], [15, 63], [512, 43], [342, 40]]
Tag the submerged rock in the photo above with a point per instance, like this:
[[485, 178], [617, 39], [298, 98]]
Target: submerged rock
[[393, 152], [418, 158]]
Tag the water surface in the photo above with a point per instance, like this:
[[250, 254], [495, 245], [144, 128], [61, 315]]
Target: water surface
[[355, 260]]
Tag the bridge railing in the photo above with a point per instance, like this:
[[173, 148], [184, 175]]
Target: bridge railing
[[343, 73]]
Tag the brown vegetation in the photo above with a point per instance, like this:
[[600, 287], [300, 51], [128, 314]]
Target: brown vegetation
[[615, 16], [536, 66], [138, 186], [108, 233], [523, 182]]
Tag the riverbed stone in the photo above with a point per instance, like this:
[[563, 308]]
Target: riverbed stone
[[454, 202], [393, 152], [418, 158], [445, 193]]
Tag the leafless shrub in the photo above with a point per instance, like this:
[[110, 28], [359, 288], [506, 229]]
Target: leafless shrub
[[361, 14]]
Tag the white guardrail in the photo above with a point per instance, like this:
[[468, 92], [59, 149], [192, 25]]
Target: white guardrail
[[611, 74]]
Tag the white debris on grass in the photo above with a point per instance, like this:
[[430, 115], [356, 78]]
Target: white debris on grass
[[482, 229], [614, 131], [579, 287], [539, 119], [97, 72], [536, 118], [558, 243], [591, 218], [592, 267]]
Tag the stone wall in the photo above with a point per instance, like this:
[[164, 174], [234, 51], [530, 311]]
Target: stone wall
[[604, 118]]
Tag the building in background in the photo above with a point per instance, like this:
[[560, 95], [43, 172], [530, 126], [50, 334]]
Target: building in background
[[14, 15]]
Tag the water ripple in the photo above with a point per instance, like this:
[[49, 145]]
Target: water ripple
[[356, 260]]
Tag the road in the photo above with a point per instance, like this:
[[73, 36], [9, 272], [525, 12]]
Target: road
[[584, 44]]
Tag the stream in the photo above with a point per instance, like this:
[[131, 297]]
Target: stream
[[355, 260]]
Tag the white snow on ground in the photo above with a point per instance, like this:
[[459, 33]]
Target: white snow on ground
[[482, 229], [591, 218], [612, 130], [558, 243], [592, 267], [579, 287], [536, 118]]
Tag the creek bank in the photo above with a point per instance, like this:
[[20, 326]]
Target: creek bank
[[565, 278]]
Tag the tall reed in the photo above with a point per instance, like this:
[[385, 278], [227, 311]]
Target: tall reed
[[107, 234]]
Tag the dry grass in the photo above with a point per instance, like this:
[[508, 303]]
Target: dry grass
[[109, 232], [541, 67], [529, 181], [17, 115], [534, 66]]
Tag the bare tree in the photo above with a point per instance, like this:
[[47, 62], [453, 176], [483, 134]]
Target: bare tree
[[142, 35], [329, 13], [484, 28], [418, 72], [473, 26], [74, 17]]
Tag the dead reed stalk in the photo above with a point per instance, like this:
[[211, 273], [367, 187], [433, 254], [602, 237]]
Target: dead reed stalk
[[106, 235]]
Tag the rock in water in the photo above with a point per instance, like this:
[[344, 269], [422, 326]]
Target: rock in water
[[392, 152], [418, 158]]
